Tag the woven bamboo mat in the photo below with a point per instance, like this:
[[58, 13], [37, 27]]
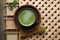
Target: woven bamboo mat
[[50, 18]]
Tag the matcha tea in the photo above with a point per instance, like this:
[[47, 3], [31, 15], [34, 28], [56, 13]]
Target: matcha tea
[[26, 17]]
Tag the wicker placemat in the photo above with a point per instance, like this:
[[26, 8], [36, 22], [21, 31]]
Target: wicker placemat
[[50, 18]]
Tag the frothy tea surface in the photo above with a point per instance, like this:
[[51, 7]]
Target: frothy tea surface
[[26, 17]]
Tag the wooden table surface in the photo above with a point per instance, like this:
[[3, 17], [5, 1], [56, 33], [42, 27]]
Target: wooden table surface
[[2, 26]]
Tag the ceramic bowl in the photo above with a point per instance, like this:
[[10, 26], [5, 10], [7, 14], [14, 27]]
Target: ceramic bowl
[[27, 17]]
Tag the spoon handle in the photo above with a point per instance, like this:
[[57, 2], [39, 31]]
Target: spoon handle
[[29, 34]]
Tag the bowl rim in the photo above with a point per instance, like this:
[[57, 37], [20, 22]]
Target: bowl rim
[[19, 25]]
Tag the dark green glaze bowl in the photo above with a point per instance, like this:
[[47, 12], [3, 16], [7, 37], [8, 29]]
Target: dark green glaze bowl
[[27, 17]]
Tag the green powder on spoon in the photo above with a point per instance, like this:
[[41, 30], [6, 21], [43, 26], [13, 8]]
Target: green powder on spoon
[[26, 17]]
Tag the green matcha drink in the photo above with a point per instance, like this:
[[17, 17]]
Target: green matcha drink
[[26, 17]]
